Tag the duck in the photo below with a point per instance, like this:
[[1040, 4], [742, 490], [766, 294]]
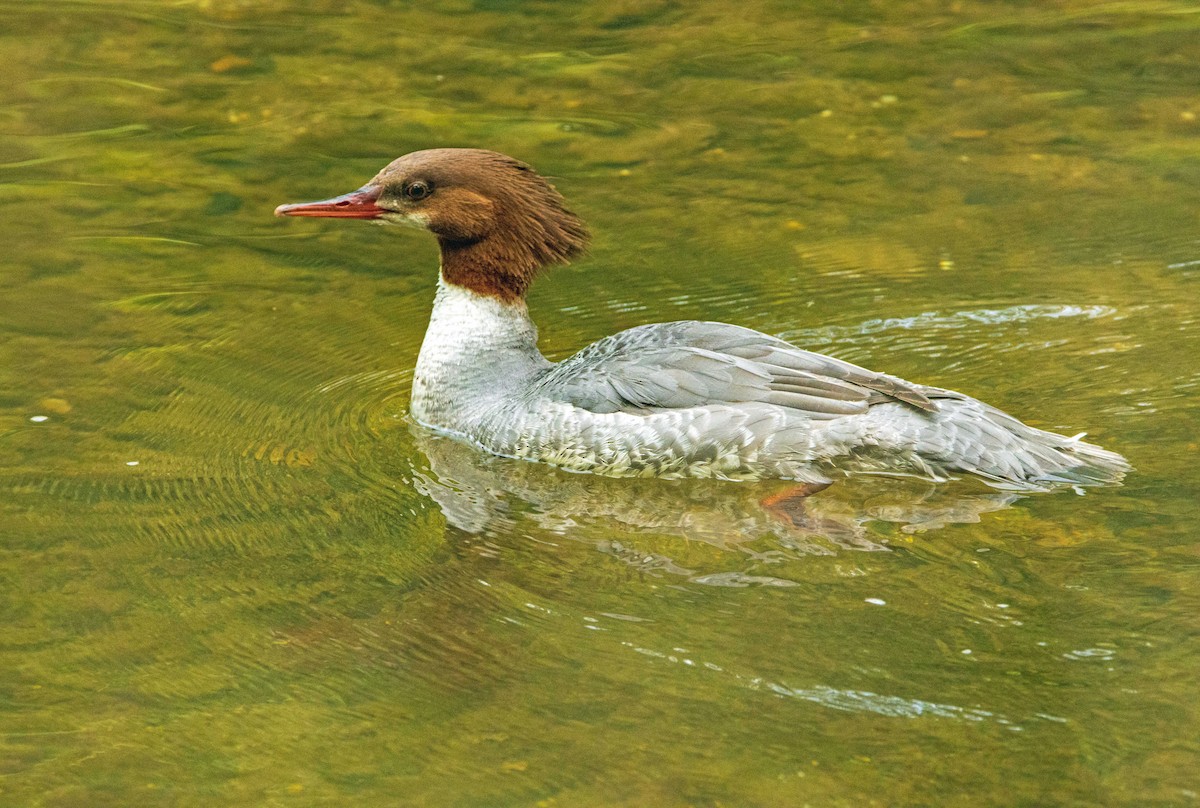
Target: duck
[[671, 400]]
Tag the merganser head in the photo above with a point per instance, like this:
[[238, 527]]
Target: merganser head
[[497, 221]]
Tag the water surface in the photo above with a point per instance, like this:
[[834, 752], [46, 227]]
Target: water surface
[[234, 574]]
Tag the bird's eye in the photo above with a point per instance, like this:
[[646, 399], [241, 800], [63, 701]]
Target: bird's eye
[[418, 190]]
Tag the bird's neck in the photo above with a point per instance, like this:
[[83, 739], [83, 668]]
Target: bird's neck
[[478, 349], [497, 266]]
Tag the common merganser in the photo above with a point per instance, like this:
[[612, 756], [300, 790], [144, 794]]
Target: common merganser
[[681, 399]]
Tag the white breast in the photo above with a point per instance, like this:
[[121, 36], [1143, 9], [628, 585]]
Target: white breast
[[477, 350]]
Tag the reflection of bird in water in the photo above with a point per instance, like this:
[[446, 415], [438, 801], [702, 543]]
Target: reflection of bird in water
[[482, 494]]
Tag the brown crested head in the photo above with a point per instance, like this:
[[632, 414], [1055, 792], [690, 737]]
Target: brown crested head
[[499, 223]]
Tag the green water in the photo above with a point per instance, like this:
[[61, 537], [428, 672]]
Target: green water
[[232, 574]]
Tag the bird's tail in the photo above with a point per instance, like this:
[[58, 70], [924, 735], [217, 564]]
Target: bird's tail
[[967, 435]]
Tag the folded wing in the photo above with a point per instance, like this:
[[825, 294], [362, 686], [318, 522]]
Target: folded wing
[[678, 365]]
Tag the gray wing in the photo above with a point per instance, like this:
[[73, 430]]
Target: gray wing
[[691, 363]]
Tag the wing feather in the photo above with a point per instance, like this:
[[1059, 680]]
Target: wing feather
[[693, 364]]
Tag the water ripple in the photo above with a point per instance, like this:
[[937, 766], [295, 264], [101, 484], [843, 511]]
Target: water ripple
[[848, 700], [934, 321]]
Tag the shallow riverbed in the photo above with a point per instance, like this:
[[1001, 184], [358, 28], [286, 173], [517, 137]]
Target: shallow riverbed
[[233, 573]]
